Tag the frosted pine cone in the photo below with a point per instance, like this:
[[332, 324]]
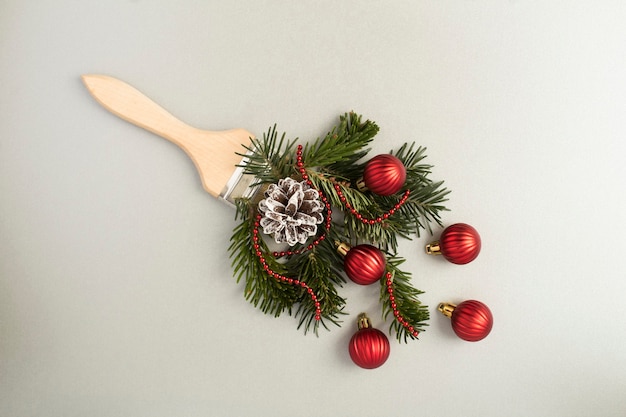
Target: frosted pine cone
[[291, 211]]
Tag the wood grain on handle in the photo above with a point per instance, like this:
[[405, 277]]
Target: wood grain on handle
[[213, 152]]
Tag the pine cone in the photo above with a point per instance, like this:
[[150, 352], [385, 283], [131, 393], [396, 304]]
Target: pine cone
[[291, 211]]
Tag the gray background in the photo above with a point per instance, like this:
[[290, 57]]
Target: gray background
[[116, 292]]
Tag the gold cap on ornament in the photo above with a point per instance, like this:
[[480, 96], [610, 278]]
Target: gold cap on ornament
[[363, 322], [446, 309], [342, 248], [433, 248], [360, 185]]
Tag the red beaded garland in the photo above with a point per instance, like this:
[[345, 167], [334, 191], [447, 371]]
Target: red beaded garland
[[378, 219], [342, 198], [394, 307], [276, 275]]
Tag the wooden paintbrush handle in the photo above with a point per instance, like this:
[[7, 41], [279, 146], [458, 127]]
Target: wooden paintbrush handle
[[213, 152], [133, 106]]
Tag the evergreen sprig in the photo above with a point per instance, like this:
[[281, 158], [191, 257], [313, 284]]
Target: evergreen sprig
[[317, 268], [406, 299], [264, 292], [270, 158], [338, 153], [421, 209], [334, 159], [427, 197]]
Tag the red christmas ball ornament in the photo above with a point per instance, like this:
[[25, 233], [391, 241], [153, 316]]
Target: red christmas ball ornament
[[364, 264], [383, 175], [369, 347], [459, 243], [471, 319]]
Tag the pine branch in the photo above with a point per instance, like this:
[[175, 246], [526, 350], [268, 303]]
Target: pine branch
[[335, 159], [406, 299], [264, 292], [316, 268], [340, 150], [269, 159], [421, 209], [427, 197]]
